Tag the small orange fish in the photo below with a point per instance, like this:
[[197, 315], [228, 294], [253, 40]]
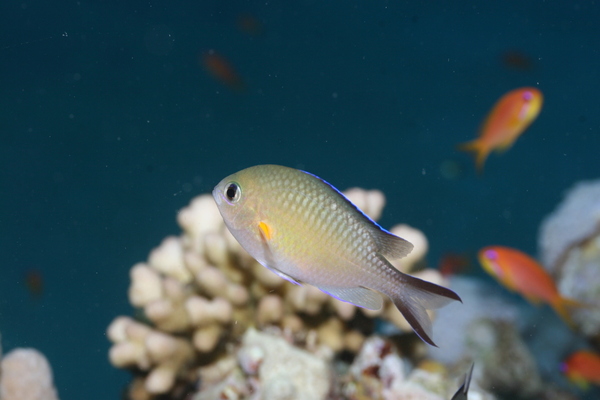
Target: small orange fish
[[517, 60], [520, 273], [452, 264], [582, 368], [34, 281], [250, 25], [221, 69], [509, 118]]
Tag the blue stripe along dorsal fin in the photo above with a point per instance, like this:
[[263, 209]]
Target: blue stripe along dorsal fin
[[389, 245]]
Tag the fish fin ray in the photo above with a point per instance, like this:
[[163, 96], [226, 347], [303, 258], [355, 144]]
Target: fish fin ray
[[359, 296], [390, 245], [283, 275], [536, 301], [480, 151], [461, 393], [265, 231], [414, 297], [563, 307], [580, 381]]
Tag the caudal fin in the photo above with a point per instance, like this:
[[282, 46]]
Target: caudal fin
[[564, 306], [415, 297], [479, 151]]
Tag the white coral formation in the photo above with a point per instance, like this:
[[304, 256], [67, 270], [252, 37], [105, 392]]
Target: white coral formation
[[266, 366], [575, 220], [202, 289], [284, 371], [503, 362], [26, 375], [379, 372], [163, 355], [569, 243]]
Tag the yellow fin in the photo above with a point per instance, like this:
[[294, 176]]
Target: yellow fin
[[265, 231], [480, 150], [532, 299], [580, 381], [564, 306]]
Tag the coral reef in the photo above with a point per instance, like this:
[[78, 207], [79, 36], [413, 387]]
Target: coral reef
[[26, 375], [569, 243], [380, 373], [201, 291], [267, 367], [503, 362], [481, 299]]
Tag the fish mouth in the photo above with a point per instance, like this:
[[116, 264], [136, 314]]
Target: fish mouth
[[217, 195]]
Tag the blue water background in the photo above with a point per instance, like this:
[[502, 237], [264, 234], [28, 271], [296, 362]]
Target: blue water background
[[109, 125]]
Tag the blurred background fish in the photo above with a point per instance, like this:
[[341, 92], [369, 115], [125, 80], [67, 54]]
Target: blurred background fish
[[454, 263], [521, 273], [582, 368], [250, 25], [222, 70], [509, 118], [463, 391], [34, 282], [517, 60], [304, 230]]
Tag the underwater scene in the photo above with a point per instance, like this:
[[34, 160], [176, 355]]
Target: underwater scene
[[300, 200]]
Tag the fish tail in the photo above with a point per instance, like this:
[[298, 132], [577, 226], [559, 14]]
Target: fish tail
[[564, 306], [414, 297], [481, 152]]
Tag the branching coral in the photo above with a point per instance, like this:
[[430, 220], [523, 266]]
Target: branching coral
[[202, 290]]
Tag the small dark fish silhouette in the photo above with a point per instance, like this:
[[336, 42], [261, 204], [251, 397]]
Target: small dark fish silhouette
[[461, 394]]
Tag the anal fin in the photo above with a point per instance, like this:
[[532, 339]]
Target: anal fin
[[359, 296]]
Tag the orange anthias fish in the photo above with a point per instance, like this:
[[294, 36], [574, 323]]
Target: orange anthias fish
[[521, 273], [582, 368], [509, 118], [221, 69]]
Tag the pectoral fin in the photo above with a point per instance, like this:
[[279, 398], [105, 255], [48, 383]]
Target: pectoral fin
[[359, 296], [265, 231]]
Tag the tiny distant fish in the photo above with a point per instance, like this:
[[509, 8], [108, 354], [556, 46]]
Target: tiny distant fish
[[463, 390], [520, 273], [582, 368], [452, 264], [34, 282], [517, 60], [509, 118], [250, 25], [304, 230], [222, 70]]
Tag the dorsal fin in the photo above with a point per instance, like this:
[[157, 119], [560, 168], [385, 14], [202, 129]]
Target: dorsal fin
[[389, 245]]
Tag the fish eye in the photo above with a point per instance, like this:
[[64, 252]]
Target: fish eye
[[491, 255], [233, 192]]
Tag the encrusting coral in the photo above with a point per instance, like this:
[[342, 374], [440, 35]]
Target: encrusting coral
[[201, 290], [26, 375]]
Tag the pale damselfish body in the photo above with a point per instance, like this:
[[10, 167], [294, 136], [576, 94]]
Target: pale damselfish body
[[306, 231]]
